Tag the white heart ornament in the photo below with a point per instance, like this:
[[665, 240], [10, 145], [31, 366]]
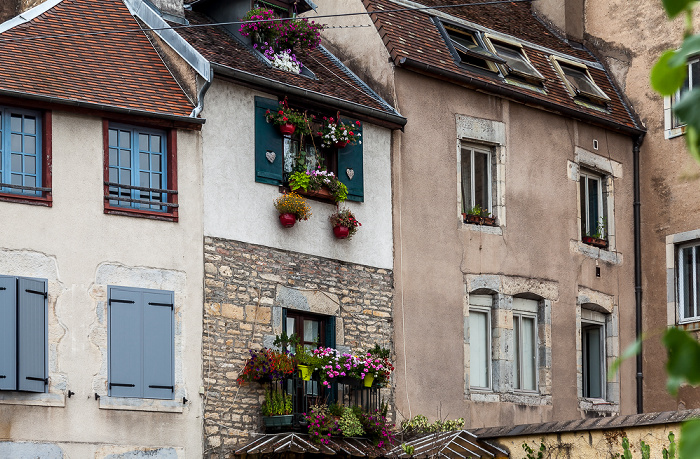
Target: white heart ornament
[[350, 172], [270, 155]]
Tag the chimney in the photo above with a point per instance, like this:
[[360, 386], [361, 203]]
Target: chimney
[[565, 15], [9, 9], [173, 8]]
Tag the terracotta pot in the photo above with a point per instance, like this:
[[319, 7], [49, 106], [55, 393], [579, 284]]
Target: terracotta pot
[[341, 232], [287, 129], [288, 220], [342, 144], [594, 241]]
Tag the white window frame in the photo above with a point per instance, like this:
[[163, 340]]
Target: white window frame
[[472, 179], [585, 175], [597, 98], [591, 318], [672, 126], [482, 304], [525, 309], [681, 282]]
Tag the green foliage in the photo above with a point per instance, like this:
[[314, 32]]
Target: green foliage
[[336, 409], [599, 231], [478, 211], [408, 449], [532, 454], [419, 424], [276, 403], [315, 179], [689, 445], [646, 450], [350, 424], [286, 342], [683, 355], [379, 351], [675, 7], [626, 453], [670, 452]]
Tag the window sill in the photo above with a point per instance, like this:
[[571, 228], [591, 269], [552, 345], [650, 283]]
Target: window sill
[[596, 253], [497, 230], [674, 132], [598, 405], [25, 199], [32, 399], [140, 404], [689, 324], [127, 212], [527, 398]]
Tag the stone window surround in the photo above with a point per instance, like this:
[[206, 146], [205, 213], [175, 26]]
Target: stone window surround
[[490, 134], [610, 170], [504, 289], [672, 302], [603, 303]]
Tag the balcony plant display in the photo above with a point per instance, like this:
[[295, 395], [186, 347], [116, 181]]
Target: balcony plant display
[[291, 208], [321, 424], [307, 362], [289, 120], [350, 424], [316, 181], [334, 132], [277, 408], [266, 365], [479, 216], [378, 429], [344, 223], [349, 368]]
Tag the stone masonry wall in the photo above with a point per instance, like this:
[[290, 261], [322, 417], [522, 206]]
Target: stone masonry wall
[[246, 287]]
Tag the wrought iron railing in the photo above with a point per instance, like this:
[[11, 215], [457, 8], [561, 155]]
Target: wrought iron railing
[[114, 193]]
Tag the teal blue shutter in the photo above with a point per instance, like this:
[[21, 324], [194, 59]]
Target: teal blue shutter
[[268, 139], [350, 159], [8, 333], [32, 335], [330, 331], [158, 355], [125, 342]]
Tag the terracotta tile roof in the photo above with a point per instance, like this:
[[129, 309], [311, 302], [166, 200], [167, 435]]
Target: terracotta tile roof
[[332, 78], [64, 61], [414, 36]]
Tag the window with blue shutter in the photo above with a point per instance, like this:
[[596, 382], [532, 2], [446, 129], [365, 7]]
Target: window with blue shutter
[[350, 167], [23, 334], [141, 343], [269, 144]]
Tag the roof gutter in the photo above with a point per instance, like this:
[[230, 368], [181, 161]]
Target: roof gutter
[[458, 78], [200, 99], [638, 268], [393, 121], [104, 107]]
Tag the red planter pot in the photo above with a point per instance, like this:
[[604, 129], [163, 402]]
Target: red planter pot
[[341, 232], [342, 144], [287, 129], [288, 220], [596, 242]]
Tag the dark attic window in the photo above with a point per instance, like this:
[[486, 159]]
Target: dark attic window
[[468, 48], [579, 82], [516, 65]]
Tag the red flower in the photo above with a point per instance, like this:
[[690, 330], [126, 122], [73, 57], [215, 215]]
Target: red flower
[[357, 122]]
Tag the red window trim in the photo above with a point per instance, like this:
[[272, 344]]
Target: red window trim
[[171, 216], [46, 199]]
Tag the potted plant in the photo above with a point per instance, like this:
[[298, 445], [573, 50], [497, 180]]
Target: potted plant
[[344, 223], [277, 409], [350, 424], [266, 365], [479, 216], [597, 237], [288, 120], [318, 183], [291, 208], [306, 362], [336, 133]]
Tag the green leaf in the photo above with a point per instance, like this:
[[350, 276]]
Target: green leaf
[[687, 109], [692, 138], [667, 79], [675, 7], [632, 350], [683, 355], [690, 47], [689, 447]]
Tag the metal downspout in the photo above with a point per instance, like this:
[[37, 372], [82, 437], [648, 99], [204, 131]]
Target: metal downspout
[[638, 140], [200, 99]]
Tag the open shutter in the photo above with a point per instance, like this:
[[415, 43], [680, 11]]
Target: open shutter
[[158, 358], [269, 145], [350, 170], [330, 332], [125, 342], [8, 332], [32, 331]]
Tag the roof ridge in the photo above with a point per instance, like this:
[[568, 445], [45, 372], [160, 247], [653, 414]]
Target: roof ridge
[[28, 15]]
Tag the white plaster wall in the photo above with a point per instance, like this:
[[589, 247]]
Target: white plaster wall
[[238, 208], [80, 250]]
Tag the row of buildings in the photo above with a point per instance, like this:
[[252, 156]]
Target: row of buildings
[[136, 159]]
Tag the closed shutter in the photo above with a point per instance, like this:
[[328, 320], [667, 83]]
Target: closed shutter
[[32, 335], [125, 343], [158, 358], [269, 144], [8, 336], [330, 332], [350, 164]]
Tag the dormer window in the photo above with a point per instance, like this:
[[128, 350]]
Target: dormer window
[[468, 48], [516, 65], [579, 82]]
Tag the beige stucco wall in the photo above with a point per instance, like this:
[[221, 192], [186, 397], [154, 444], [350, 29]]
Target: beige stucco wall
[[631, 39], [438, 257], [80, 250], [240, 209]]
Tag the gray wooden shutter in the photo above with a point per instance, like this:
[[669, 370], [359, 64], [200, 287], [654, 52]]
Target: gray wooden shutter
[[158, 355], [350, 163], [268, 142], [8, 333], [32, 335], [125, 342]]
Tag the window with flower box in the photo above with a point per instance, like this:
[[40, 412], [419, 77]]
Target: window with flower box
[[276, 154]]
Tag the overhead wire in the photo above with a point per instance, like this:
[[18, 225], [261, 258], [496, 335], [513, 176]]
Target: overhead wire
[[215, 24]]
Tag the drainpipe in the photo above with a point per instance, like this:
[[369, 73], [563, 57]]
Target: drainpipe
[[638, 267], [200, 99]]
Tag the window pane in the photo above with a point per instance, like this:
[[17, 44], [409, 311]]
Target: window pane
[[29, 145], [143, 142], [16, 163], [30, 165], [29, 180], [686, 282], [694, 69], [156, 163], [529, 357], [113, 175], [593, 211], [592, 365], [155, 143], [125, 177], [144, 180], [478, 349], [584, 210], [125, 158], [113, 157], [16, 179], [143, 161], [310, 331], [481, 180], [29, 125], [16, 144], [290, 326], [112, 137], [466, 181], [16, 123], [125, 139]]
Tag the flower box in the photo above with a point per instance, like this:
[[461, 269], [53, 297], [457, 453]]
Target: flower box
[[479, 220], [278, 421], [322, 194], [595, 242]]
